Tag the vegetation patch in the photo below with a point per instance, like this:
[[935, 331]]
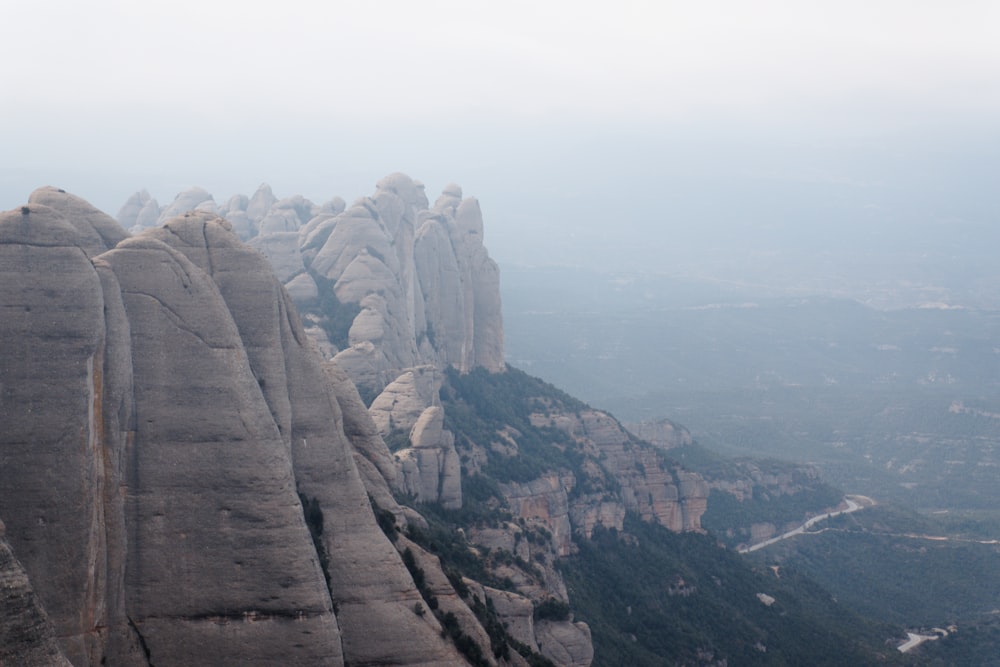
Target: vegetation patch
[[620, 584], [313, 514], [337, 317], [480, 405], [731, 518]]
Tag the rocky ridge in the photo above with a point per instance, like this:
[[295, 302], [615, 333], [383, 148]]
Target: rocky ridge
[[238, 468], [203, 441], [394, 291], [418, 278]]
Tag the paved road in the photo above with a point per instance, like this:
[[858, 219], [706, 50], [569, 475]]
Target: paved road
[[854, 503], [914, 640]]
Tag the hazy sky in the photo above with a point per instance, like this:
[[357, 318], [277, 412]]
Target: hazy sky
[[575, 123]]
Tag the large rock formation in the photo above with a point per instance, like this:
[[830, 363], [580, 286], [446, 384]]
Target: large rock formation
[[418, 281], [648, 485], [663, 433], [392, 289], [192, 476], [63, 404], [177, 480]]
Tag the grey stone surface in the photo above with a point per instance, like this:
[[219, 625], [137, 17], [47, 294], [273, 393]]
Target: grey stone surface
[[98, 231], [185, 201], [129, 212], [565, 643], [221, 566], [401, 403], [58, 459], [260, 203], [431, 468], [369, 585], [220, 503], [27, 638]]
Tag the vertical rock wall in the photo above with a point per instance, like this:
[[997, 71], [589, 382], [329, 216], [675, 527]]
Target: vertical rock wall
[[178, 479]]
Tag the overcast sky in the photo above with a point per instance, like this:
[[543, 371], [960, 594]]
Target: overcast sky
[[573, 122]]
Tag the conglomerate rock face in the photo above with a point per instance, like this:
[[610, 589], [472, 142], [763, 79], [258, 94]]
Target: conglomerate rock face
[[192, 475], [63, 385], [424, 287], [178, 483], [422, 291], [672, 497], [27, 637]]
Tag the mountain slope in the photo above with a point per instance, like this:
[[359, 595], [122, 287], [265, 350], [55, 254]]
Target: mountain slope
[[192, 474]]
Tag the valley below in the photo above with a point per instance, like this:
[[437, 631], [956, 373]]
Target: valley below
[[897, 405]]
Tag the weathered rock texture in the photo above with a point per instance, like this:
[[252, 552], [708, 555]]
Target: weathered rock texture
[[425, 289], [645, 483], [191, 476], [565, 643], [663, 433], [63, 385], [432, 471], [26, 635], [416, 282], [180, 480]]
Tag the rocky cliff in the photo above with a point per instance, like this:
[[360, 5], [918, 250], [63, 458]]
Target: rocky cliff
[[413, 281], [178, 481], [212, 423]]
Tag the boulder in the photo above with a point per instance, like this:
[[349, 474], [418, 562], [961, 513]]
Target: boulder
[[398, 407], [431, 469], [185, 201], [565, 643]]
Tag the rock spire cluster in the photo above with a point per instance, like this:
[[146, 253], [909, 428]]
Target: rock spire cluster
[[420, 284]]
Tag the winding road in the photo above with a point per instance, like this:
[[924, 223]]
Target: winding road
[[853, 503]]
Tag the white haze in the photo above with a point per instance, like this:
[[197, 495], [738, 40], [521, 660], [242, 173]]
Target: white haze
[[637, 135]]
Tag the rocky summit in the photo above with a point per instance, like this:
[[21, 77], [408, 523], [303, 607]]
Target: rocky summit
[[223, 431]]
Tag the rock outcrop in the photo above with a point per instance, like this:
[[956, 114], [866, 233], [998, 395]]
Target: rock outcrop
[[432, 471], [398, 407], [140, 212], [545, 501], [178, 481], [565, 643], [649, 486], [231, 499], [194, 198], [418, 282], [663, 433], [63, 391]]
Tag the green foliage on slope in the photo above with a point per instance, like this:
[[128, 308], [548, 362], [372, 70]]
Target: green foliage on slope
[[973, 644], [652, 597], [730, 518], [896, 565], [481, 406]]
